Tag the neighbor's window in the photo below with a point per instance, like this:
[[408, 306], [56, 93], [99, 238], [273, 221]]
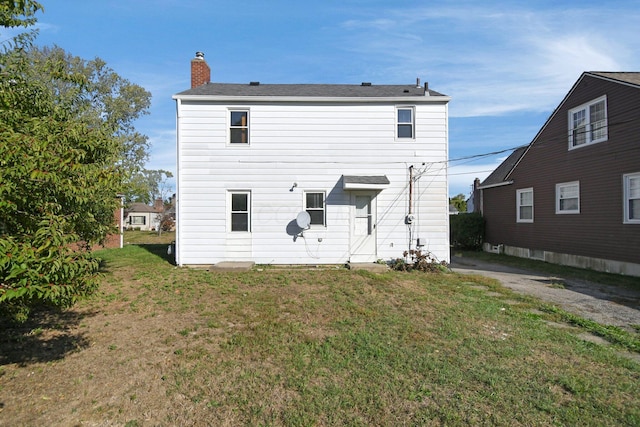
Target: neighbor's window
[[632, 198], [568, 197], [239, 127], [314, 205], [240, 211], [588, 123], [137, 220], [405, 123], [524, 205]]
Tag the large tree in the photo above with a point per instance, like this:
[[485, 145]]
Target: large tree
[[67, 148]]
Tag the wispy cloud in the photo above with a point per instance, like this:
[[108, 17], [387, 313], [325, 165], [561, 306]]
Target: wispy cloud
[[493, 61]]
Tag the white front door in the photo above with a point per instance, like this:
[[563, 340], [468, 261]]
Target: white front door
[[363, 227]]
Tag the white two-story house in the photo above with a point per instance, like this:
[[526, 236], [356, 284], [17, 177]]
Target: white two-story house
[[309, 173]]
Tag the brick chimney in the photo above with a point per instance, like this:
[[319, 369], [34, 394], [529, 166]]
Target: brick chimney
[[200, 71]]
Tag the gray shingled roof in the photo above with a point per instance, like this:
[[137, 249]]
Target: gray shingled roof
[[308, 90], [500, 174], [627, 77]]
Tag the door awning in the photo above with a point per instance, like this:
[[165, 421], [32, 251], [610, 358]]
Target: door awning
[[365, 182]]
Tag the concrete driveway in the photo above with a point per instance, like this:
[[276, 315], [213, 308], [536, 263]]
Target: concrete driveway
[[604, 304]]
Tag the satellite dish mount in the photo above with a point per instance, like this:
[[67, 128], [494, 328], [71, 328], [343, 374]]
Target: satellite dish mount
[[303, 220]]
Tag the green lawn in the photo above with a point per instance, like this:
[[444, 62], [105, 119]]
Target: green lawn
[[326, 346]]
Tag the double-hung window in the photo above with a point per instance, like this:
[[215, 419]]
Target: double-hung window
[[239, 127], [588, 123], [405, 123], [240, 212], [524, 205], [315, 207], [568, 198], [632, 198]]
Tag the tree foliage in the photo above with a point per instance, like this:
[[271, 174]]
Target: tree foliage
[[67, 148], [459, 202]]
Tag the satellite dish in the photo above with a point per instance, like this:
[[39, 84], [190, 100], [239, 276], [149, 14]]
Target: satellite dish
[[303, 220]]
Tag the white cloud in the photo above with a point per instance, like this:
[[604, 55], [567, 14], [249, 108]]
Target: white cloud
[[494, 60]]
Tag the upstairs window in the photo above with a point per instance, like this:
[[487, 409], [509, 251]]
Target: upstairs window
[[405, 123], [239, 127], [632, 198], [314, 205], [568, 198], [240, 211], [524, 205], [588, 123]]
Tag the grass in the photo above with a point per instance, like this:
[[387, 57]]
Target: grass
[[301, 347], [554, 269]]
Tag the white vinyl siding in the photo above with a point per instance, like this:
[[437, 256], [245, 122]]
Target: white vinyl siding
[[313, 145], [568, 198], [588, 123], [632, 198], [524, 205]]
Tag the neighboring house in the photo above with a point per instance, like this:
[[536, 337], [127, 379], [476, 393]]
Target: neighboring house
[[309, 173], [572, 196], [140, 216]]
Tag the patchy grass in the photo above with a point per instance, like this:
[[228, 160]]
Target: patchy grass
[[554, 269], [160, 345], [137, 237]]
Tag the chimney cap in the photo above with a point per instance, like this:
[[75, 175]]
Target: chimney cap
[[199, 55]]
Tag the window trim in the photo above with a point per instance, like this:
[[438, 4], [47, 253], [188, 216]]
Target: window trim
[[398, 123], [132, 219], [230, 127], [587, 126], [323, 209], [518, 205], [626, 178], [560, 186], [230, 211]]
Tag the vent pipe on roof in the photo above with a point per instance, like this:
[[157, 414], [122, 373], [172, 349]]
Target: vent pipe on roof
[[426, 89], [366, 84], [417, 82]]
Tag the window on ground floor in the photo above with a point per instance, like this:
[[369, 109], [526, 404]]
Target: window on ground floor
[[315, 206], [632, 198], [137, 220], [240, 212], [568, 198], [524, 205]]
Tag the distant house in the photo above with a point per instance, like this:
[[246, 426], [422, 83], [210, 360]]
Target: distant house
[[140, 216], [572, 196], [309, 173]]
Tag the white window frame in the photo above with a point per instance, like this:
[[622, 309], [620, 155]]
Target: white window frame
[[231, 127], [231, 212], [323, 209], [520, 205], [133, 220], [587, 127], [412, 122], [559, 193], [628, 196]]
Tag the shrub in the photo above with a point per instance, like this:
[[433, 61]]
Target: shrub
[[466, 230], [418, 261]]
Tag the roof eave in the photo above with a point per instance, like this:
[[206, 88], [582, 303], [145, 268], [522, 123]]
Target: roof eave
[[360, 99]]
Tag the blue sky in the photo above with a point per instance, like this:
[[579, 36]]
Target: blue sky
[[505, 64]]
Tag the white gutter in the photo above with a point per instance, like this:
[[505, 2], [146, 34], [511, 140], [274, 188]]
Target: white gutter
[[500, 184]]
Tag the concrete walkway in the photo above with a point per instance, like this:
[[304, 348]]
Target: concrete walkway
[[609, 305]]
